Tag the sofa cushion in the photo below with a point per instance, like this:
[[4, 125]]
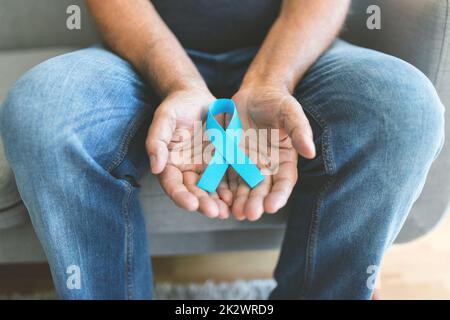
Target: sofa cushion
[[32, 24], [165, 217], [12, 210]]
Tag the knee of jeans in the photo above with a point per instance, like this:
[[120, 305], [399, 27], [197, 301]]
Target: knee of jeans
[[36, 121], [416, 112], [24, 127], [63, 110], [397, 108]]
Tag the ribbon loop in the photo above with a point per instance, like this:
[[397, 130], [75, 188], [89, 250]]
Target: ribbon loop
[[227, 151]]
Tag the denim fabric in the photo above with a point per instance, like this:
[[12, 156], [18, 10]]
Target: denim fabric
[[74, 129]]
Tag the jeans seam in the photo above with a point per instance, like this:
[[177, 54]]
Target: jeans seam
[[115, 162], [128, 240], [330, 169], [312, 239], [125, 142], [327, 154]]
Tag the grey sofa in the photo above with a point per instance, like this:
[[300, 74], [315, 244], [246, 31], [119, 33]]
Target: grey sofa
[[417, 31]]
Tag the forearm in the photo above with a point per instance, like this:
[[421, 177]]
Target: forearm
[[134, 30], [302, 32]]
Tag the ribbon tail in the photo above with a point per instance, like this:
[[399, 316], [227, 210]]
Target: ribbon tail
[[212, 175], [248, 171]]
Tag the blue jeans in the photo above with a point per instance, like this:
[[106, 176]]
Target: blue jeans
[[74, 129]]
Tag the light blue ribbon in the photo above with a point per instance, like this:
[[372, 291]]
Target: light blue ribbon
[[227, 151]]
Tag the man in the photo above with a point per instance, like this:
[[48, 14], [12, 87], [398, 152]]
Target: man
[[358, 132]]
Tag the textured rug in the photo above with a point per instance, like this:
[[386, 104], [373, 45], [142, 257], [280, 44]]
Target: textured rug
[[239, 290]]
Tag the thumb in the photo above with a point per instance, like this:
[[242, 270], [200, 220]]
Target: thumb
[[159, 136], [297, 126]]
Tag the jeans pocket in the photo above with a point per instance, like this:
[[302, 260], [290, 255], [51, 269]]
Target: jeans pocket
[[322, 141]]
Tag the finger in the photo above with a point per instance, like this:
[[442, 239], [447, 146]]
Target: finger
[[233, 181], [297, 126], [207, 205], [254, 207], [171, 180], [159, 136], [224, 210], [240, 199], [283, 183], [224, 192]]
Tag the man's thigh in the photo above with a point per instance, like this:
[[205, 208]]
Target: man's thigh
[[365, 103], [90, 98]]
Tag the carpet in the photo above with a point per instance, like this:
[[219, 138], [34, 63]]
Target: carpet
[[237, 290]]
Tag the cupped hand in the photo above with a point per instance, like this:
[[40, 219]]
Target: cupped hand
[[270, 108], [172, 134]]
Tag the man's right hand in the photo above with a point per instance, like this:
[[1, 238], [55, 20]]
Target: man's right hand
[[172, 125], [161, 60]]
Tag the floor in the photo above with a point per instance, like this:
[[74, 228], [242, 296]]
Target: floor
[[417, 270]]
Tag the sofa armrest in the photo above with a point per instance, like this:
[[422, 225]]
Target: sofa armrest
[[417, 31], [32, 24]]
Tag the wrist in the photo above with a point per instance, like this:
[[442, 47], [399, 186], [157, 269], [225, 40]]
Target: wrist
[[201, 95], [190, 85], [258, 83], [264, 85]]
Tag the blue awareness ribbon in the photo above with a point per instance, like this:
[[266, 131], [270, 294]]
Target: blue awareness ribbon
[[226, 147]]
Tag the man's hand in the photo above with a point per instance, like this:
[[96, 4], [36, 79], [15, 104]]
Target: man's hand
[[270, 107], [303, 30], [172, 129], [135, 31]]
